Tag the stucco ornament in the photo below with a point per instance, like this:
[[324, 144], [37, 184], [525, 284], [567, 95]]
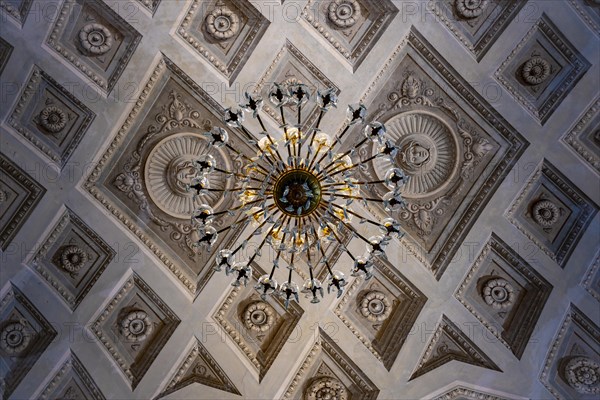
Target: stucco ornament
[[96, 38], [14, 338], [545, 213], [375, 306], [343, 13], [535, 70], [3, 196], [72, 258], [53, 119], [470, 8], [222, 23], [499, 293], [583, 375], [326, 388], [136, 326], [258, 316]]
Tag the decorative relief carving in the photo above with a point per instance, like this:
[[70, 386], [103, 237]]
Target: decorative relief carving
[[72, 381], [72, 258], [16, 10], [5, 52], [542, 69], [21, 194], [591, 280], [505, 293], [259, 328], [350, 27], [572, 366], [450, 343], [328, 373], [133, 328], [50, 117], [464, 392], [584, 136], [588, 11], [444, 147], [223, 32], [198, 366], [150, 5], [470, 8], [24, 336], [381, 312], [94, 39], [129, 184], [477, 24], [552, 212]]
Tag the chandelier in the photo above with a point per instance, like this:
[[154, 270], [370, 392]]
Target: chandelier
[[296, 194]]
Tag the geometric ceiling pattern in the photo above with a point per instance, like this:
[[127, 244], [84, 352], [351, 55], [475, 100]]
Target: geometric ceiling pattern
[[492, 293]]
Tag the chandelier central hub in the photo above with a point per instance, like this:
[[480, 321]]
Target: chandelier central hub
[[297, 192]]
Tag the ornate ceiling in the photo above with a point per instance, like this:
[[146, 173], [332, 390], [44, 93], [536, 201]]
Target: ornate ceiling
[[493, 293]]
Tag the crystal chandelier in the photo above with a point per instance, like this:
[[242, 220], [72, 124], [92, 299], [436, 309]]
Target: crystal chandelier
[[296, 193]]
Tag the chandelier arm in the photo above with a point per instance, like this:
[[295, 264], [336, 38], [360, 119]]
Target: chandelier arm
[[237, 208], [264, 171], [338, 238], [348, 226], [373, 222], [345, 196], [247, 217], [252, 138], [262, 243], [252, 234], [325, 260], [352, 166], [354, 183], [335, 141], [332, 163], [239, 175]]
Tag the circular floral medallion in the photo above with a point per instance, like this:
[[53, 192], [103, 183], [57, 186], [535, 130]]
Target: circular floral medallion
[[343, 13], [326, 388], [14, 338], [53, 119], [427, 153], [96, 38], [470, 8], [535, 70], [498, 293], [375, 306], [545, 213], [583, 375], [222, 23], [72, 258], [258, 316], [170, 167], [136, 326]]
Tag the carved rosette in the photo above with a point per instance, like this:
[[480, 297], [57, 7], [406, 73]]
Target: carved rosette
[[136, 326], [258, 316], [583, 375], [498, 293], [3, 196], [343, 13], [535, 70], [222, 23], [14, 338], [72, 259], [96, 39], [428, 152], [53, 119], [545, 213], [375, 306], [326, 388], [469, 9], [170, 167]]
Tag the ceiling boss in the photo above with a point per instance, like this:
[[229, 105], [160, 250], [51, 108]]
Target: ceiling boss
[[297, 194]]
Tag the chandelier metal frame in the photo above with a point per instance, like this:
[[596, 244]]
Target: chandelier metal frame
[[298, 201]]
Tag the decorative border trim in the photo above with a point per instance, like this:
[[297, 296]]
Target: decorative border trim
[[520, 266], [31, 89], [6, 50], [516, 145], [573, 316], [590, 275], [150, 5], [34, 195], [576, 60], [70, 217], [571, 137], [588, 18], [588, 211], [18, 15]]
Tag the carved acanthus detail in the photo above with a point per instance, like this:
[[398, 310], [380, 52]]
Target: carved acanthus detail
[[258, 316], [96, 39], [375, 306], [326, 388], [498, 293], [72, 259], [136, 326], [343, 13], [222, 23], [14, 338], [583, 375], [545, 213], [470, 8], [536, 70], [53, 119]]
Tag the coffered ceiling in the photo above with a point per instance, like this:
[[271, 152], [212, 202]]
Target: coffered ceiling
[[493, 293]]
